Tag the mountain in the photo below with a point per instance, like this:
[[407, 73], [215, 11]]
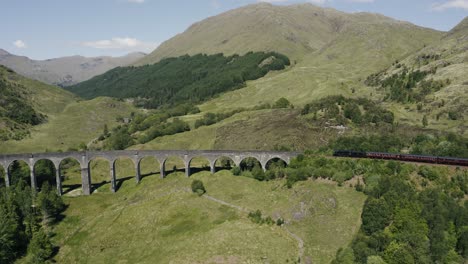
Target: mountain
[[431, 83], [293, 30], [67, 70], [25, 103], [35, 117], [180, 80]]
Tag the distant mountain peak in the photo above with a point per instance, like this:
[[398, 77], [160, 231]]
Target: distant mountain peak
[[4, 52], [65, 71]]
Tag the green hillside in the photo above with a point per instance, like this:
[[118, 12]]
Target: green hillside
[[295, 30], [181, 227], [37, 117], [76, 125], [181, 80], [25, 103], [431, 83]]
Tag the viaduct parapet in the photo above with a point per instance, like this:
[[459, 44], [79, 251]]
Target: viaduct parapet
[[84, 158]]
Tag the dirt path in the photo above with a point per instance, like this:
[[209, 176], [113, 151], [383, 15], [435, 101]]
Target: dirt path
[[225, 203], [300, 243]]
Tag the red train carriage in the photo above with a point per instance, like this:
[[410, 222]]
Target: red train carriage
[[452, 161], [402, 157], [383, 155], [418, 158]]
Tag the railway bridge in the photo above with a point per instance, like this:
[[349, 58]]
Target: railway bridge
[[85, 157]]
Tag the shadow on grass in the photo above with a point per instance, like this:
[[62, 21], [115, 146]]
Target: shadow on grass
[[119, 182], [95, 186], [69, 188]]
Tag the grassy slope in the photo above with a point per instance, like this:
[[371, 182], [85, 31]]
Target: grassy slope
[[293, 30], [366, 44], [78, 122], [262, 129], [180, 227], [453, 50], [350, 58], [45, 98]]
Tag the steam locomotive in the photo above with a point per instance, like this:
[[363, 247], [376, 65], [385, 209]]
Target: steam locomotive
[[402, 157]]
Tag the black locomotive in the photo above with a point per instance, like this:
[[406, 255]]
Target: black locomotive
[[402, 157]]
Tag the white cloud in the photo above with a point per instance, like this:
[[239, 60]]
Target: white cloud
[[136, 1], [20, 44], [463, 4], [129, 44]]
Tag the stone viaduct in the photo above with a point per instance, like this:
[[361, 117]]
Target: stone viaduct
[[84, 159]]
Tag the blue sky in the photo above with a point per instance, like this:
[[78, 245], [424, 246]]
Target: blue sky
[[43, 29]]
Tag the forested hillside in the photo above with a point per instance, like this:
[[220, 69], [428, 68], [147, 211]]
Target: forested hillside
[[186, 79]]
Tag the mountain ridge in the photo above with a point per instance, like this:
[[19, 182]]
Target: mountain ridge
[[293, 30], [65, 71]]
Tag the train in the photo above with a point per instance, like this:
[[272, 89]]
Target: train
[[402, 157]]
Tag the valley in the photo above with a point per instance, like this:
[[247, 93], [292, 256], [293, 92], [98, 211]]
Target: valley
[[299, 79]]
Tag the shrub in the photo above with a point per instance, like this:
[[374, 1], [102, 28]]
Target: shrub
[[282, 103], [428, 173], [198, 187], [279, 221], [258, 173], [256, 217], [236, 171]]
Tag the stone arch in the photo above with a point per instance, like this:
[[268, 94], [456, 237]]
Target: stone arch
[[173, 164], [69, 175], [249, 162], [44, 170], [123, 170], [98, 173], [199, 163], [148, 165], [223, 163], [275, 162], [19, 169]]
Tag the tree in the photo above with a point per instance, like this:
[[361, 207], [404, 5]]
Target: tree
[[424, 121], [106, 130], [397, 253], [352, 111], [375, 260], [198, 187], [8, 234], [282, 103], [375, 216], [50, 203], [40, 248]]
